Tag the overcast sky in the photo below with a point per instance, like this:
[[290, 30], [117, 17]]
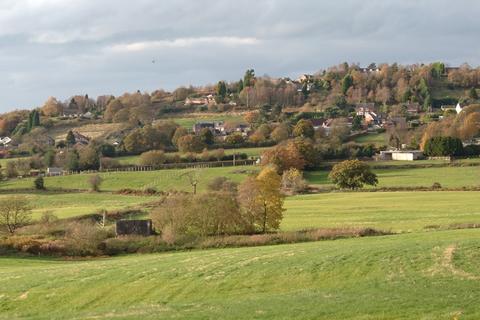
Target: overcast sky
[[65, 47]]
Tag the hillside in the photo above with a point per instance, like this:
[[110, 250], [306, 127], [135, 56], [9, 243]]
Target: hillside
[[370, 278]]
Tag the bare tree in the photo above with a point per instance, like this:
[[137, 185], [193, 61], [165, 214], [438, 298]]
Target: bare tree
[[192, 177], [15, 212]]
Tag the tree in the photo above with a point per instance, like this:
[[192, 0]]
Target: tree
[[280, 133], [73, 160], [15, 212], [70, 140], [192, 178], [249, 78], [293, 181], [221, 90], [357, 123], [262, 200], [52, 107], [352, 174], [283, 157], [206, 136], [347, 82], [472, 94], [304, 128], [89, 158], [443, 146], [95, 181], [190, 143], [234, 139], [38, 183], [179, 132]]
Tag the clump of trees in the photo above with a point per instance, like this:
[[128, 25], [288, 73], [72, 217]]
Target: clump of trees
[[257, 206], [352, 174], [443, 146]]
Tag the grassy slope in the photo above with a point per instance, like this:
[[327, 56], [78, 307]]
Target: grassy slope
[[431, 275], [66, 205], [162, 179], [452, 177], [396, 211], [188, 122]]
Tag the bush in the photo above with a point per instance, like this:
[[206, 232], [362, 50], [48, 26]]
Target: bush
[[38, 183], [95, 181], [152, 158], [84, 238]]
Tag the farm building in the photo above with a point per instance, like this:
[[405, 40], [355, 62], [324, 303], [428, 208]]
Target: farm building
[[402, 155]]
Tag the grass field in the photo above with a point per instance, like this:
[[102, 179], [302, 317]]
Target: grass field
[[451, 177], [66, 205], [163, 180], [377, 139], [395, 211], [188, 122], [430, 275]]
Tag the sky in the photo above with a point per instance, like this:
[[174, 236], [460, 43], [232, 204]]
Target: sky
[[62, 48]]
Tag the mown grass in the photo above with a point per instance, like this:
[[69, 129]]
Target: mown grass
[[188, 122], [395, 211], [452, 177], [377, 139], [66, 205], [432, 275], [162, 180]]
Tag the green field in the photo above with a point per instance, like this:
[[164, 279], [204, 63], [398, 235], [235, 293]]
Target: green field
[[430, 275], [66, 205], [451, 177], [377, 139], [188, 122], [395, 211], [163, 180]]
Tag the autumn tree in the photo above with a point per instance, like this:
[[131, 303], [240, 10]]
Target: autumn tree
[[95, 181], [352, 174], [15, 212], [52, 107], [190, 143], [283, 157], [152, 158], [304, 128], [280, 133], [262, 201]]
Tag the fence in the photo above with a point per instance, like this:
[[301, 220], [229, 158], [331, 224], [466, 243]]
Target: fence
[[188, 165]]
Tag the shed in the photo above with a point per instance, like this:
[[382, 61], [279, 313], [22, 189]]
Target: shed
[[134, 227], [402, 155]]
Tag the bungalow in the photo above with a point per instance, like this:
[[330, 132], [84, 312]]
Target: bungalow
[[205, 100], [4, 142], [54, 171], [317, 123], [458, 108], [217, 127], [401, 155], [80, 139]]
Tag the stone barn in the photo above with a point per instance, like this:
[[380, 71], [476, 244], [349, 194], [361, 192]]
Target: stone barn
[[134, 227]]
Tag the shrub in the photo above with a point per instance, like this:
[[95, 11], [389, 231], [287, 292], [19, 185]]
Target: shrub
[[152, 158], [109, 163], [84, 238], [95, 181], [38, 183], [436, 185]]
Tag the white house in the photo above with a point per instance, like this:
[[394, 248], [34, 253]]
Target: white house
[[458, 108]]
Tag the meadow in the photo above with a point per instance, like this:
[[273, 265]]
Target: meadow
[[188, 122], [429, 275], [451, 177], [66, 205], [377, 139], [162, 180], [388, 211]]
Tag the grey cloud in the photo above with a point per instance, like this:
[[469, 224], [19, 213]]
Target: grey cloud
[[61, 48]]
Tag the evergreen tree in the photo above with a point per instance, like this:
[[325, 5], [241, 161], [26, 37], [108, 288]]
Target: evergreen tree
[[472, 94], [249, 78], [347, 82], [73, 160], [70, 138]]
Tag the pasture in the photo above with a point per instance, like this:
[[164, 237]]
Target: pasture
[[188, 122], [451, 177], [395, 211], [162, 180], [429, 275], [66, 205]]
